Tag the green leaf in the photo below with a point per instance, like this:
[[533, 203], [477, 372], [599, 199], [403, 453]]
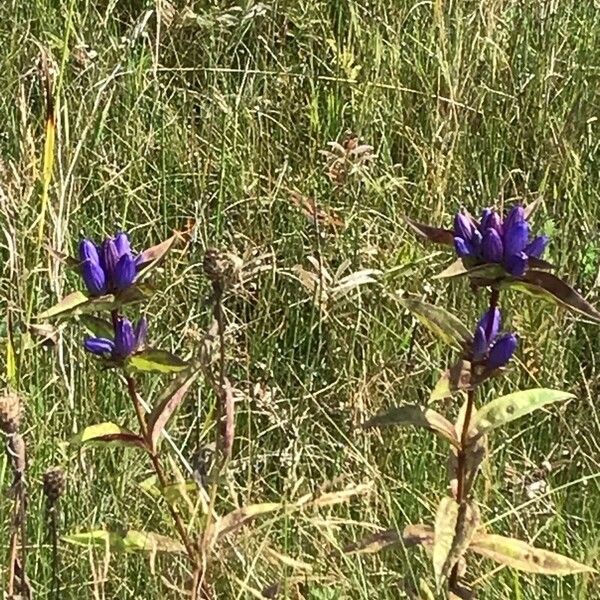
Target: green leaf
[[413, 535], [97, 326], [503, 410], [158, 361], [444, 530], [168, 403], [130, 541], [442, 323], [551, 288], [417, 416], [134, 294], [436, 235], [66, 306], [108, 432], [523, 557], [467, 522], [488, 272]]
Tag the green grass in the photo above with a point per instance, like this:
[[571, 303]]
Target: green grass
[[215, 114]]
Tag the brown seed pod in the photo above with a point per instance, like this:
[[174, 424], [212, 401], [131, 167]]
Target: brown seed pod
[[216, 264], [54, 484], [10, 412]]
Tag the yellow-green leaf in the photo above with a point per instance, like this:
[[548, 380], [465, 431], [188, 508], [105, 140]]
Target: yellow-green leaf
[[467, 522], [524, 557], [97, 326], [66, 306], [417, 416], [158, 361], [457, 269], [108, 432], [444, 530], [503, 410], [130, 541], [443, 324]]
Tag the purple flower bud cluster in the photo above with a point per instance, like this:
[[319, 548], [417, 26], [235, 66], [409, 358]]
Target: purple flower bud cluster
[[108, 268], [493, 240], [127, 340], [490, 348]]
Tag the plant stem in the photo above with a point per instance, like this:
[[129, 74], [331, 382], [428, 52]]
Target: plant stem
[[461, 493], [158, 469]]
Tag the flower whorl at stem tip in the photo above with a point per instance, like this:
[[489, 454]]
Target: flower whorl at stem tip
[[11, 412]]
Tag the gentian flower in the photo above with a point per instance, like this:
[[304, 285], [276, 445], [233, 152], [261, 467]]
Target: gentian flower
[[127, 340], [108, 268], [495, 241], [489, 348]]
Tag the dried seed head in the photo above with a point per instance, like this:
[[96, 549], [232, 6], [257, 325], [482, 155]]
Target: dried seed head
[[217, 265], [54, 484], [10, 412]]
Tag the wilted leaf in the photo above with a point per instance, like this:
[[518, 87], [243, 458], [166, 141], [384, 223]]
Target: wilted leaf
[[532, 207], [130, 541], [523, 557], [152, 256], [103, 433], [413, 535], [331, 498], [460, 378], [278, 558], [445, 528], [485, 272], [242, 516], [158, 361], [66, 306], [437, 235], [168, 403], [547, 286], [354, 280], [466, 524], [97, 326], [417, 416], [438, 320], [503, 410], [48, 334]]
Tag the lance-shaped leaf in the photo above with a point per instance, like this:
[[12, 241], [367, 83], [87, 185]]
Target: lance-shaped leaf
[[467, 522], [168, 403], [97, 326], [130, 541], [65, 306], [417, 416], [444, 530], [103, 433], [503, 410], [157, 361], [487, 272], [442, 323], [547, 286], [151, 257], [436, 235], [242, 516], [412, 535], [524, 557]]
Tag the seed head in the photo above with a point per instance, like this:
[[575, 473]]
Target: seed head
[[10, 412], [54, 484], [217, 265]]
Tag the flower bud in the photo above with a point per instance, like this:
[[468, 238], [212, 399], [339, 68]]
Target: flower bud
[[491, 246], [502, 351], [515, 238], [124, 272], [463, 227], [124, 338], [536, 248]]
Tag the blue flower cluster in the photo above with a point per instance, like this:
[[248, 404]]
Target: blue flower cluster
[[127, 340], [493, 240], [490, 348]]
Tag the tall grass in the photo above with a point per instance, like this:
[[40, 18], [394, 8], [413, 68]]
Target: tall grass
[[200, 110]]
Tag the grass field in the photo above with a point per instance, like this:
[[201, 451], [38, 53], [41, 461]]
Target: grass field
[[217, 112]]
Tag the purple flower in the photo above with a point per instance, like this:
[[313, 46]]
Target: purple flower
[[488, 348], [126, 342], [498, 242], [109, 268]]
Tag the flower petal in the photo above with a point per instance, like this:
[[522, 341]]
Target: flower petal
[[502, 351], [536, 248], [490, 323], [490, 219], [124, 338], [463, 227], [93, 277], [516, 264], [124, 272], [480, 344], [463, 248], [140, 333], [88, 251], [491, 246], [515, 238], [99, 346], [122, 243], [111, 258], [476, 242], [515, 215]]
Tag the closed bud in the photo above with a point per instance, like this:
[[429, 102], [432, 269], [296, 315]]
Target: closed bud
[[491, 246]]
